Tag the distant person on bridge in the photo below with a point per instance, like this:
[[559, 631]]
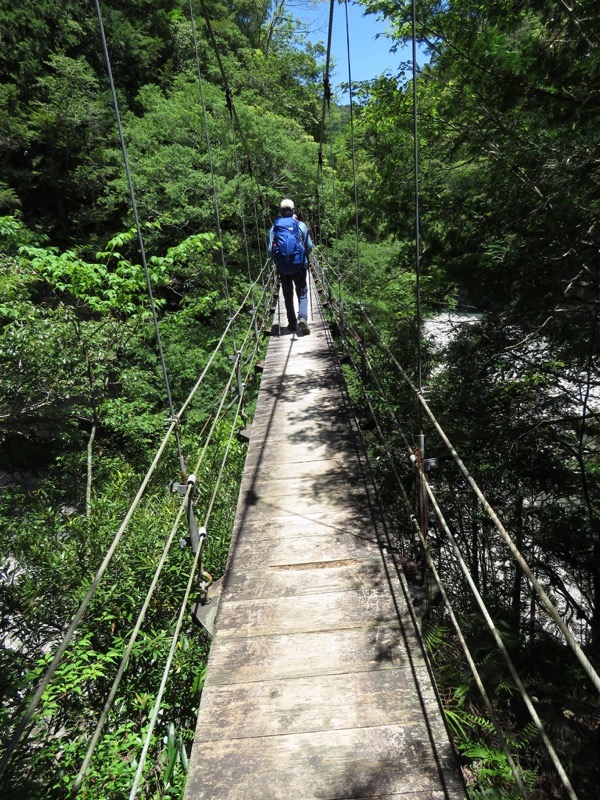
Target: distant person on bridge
[[290, 246]]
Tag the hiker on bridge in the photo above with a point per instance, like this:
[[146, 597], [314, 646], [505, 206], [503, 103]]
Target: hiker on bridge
[[290, 246]]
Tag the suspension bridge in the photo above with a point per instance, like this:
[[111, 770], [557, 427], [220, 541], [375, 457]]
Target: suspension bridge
[[317, 684]]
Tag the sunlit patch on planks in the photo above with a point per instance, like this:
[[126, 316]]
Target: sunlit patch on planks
[[317, 686]]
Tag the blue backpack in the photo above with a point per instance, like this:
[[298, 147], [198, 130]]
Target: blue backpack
[[287, 250]]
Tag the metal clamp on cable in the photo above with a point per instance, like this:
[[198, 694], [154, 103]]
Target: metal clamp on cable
[[175, 487], [189, 488], [174, 419], [206, 576]]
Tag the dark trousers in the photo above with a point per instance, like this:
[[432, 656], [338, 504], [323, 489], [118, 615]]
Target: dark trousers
[[287, 285]]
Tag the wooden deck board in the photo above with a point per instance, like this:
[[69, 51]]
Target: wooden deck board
[[300, 705], [347, 763], [306, 578], [317, 685]]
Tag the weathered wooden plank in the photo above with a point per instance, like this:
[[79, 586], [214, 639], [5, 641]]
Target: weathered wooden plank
[[301, 550], [321, 702], [326, 611], [313, 489], [275, 523], [374, 646], [296, 451], [294, 580], [316, 478], [344, 463], [367, 762]]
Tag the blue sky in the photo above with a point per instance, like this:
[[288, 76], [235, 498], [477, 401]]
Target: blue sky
[[369, 56]]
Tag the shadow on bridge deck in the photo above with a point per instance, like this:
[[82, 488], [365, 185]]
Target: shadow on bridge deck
[[317, 685]]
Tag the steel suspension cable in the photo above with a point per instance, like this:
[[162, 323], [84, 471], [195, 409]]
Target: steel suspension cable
[[240, 199], [234, 119], [569, 637], [139, 232], [416, 172], [48, 675], [156, 710], [211, 167], [499, 642], [326, 103], [333, 189], [228, 92], [125, 659]]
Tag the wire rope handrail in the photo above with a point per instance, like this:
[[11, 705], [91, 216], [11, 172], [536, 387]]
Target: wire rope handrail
[[472, 665], [445, 598], [550, 607], [474, 590], [157, 704], [78, 617], [497, 638], [500, 644], [122, 667]]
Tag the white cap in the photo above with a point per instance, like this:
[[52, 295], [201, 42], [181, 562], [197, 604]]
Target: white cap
[[287, 203]]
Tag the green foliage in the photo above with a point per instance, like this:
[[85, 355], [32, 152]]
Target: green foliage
[[508, 190]]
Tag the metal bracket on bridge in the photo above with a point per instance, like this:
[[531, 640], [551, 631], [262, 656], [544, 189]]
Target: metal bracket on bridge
[[204, 608], [196, 534]]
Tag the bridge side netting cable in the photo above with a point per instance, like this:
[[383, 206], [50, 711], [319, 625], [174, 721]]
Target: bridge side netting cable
[[418, 389], [355, 340], [570, 639], [27, 717], [426, 493], [477, 595], [216, 417], [391, 461], [391, 456], [239, 411], [184, 603]]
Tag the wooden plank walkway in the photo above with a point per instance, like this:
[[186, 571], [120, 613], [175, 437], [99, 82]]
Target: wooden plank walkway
[[316, 684]]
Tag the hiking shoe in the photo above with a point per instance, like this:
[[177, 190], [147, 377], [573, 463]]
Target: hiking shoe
[[304, 327], [291, 326]]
